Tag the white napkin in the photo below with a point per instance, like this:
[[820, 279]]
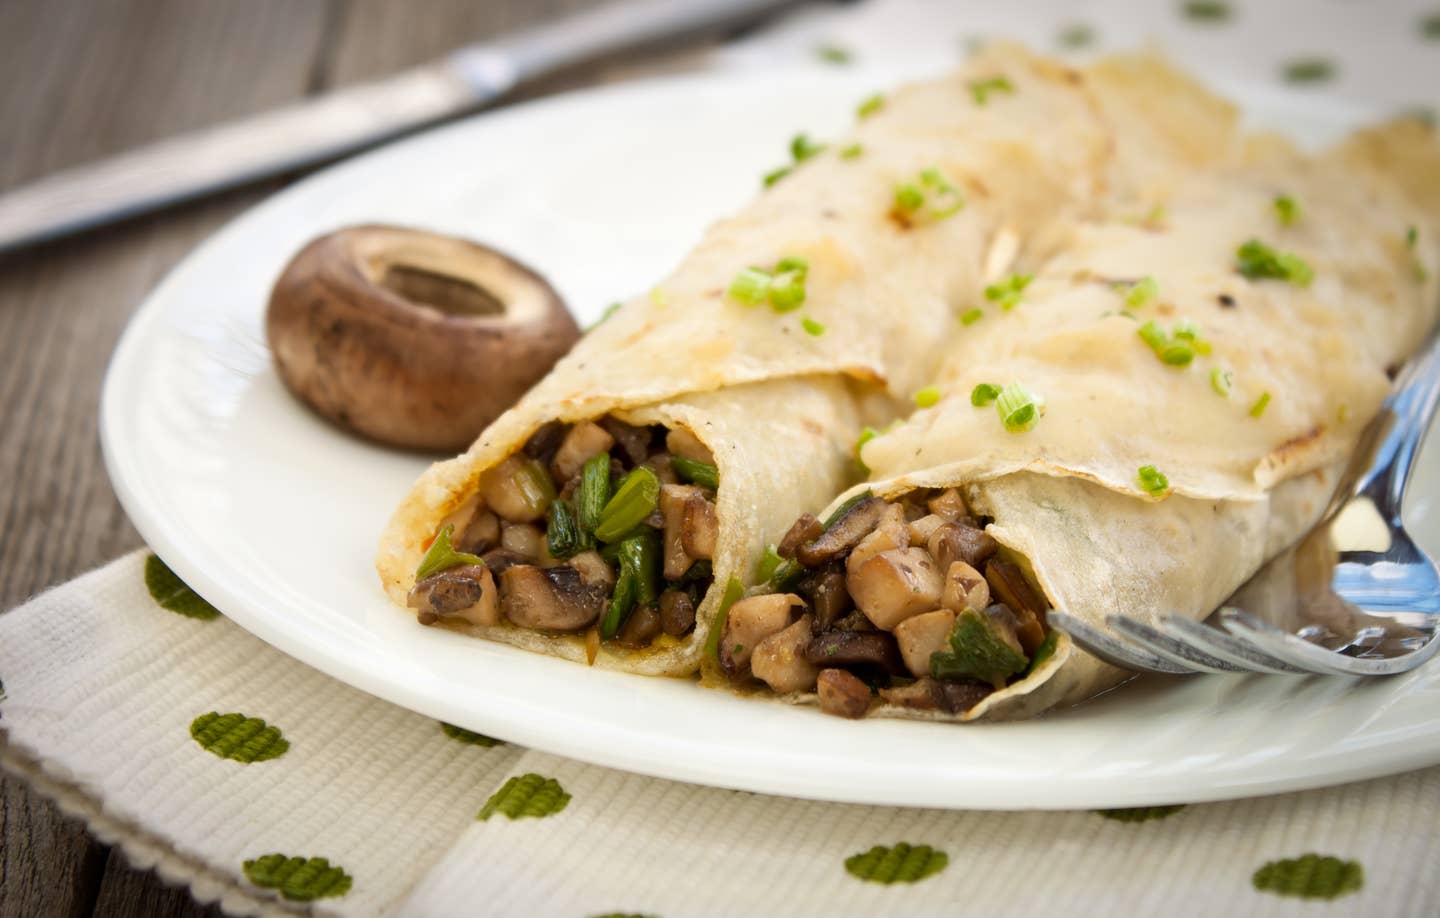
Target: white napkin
[[102, 687]]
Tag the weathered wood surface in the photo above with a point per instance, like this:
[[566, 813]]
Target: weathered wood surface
[[80, 79]]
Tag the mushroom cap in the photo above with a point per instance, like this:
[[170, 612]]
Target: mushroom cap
[[412, 338]]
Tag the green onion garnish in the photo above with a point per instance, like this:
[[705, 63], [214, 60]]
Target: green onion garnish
[[802, 147], [1220, 381], [1153, 481], [971, 316], [1261, 403], [734, 589], [749, 287], [765, 567], [787, 291], [658, 298], [871, 105], [441, 555], [1412, 235], [1019, 410], [593, 493], [700, 473], [866, 435], [609, 311], [1008, 292], [635, 499], [834, 54], [1179, 347], [563, 537], [1207, 10], [812, 327], [622, 600], [1152, 334], [908, 198], [776, 175], [981, 89], [1075, 36], [1177, 354], [851, 151], [928, 397], [1141, 292], [1287, 210], [1308, 70], [1258, 261], [984, 394]]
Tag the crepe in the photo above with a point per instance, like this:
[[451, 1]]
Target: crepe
[[1250, 434], [1027, 145]]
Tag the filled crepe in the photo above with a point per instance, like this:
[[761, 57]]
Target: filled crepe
[[1165, 408], [606, 516]]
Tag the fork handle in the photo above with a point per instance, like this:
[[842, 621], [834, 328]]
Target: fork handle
[[1411, 406]]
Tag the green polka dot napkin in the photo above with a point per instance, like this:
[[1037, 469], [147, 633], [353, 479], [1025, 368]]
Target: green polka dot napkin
[[267, 787], [271, 789]]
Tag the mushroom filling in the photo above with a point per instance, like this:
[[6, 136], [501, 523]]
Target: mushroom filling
[[908, 598], [594, 525]]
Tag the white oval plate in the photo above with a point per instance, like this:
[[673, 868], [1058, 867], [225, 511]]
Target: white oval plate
[[273, 516]]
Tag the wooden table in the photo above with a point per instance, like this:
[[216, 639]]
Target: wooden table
[[78, 80]]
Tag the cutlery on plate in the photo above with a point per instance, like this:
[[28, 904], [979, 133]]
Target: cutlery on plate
[[1397, 589], [321, 128]]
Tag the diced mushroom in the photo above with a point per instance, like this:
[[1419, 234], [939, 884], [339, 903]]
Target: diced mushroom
[[663, 465], [829, 599], [749, 622], [844, 534], [522, 539], [498, 560], [633, 441], [1003, 624], [641, 627], [842, 694], [466, 592], [701, 528], [949, 505], [894, 585], [677, 613], [584, 440], [922, 635], [889, 534], [919, 694], [1008, 586], [959, 695], [481, 535], [594, 570], [519, 489], [686, 445], [554, 599], [875, 651], [961, 541], [805, 529], [779, 660], [921, 529], [544, 442], [965, 588], [674, 500]]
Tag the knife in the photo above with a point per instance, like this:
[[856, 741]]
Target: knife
[[321, 128]]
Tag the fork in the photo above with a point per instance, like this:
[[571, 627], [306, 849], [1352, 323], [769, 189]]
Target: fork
[[1399, 585]]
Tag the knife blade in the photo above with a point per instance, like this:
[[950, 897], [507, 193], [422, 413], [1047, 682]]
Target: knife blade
[[326, 126]]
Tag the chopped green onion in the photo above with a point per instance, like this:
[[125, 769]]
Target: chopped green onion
[[441, 555], [1261, 403], [812, 327], [1076, 36], [1178, 348], [1018, 409], [734, 589], [1141, 292], [609, 311], [866, 435], [928, 397], [871, 105], [563, 537], [1430, 26], [657, 296], [775, 175], [749, 287], [622, 600], [980, 648], [834, 54], [769, 561], [1152, 334], [802, 147], [1308, 70], [971, 316], [1287, 210], [1007, 292], [851, 151], [593, 493], [981, 89], [984, 394], [1412, 235], [787, 291], [635, 499], [641, 554], [1220, 381], [1153, 481], [1177, 353], [908, 198], [1207, 10], [792, 263], [700, 473]]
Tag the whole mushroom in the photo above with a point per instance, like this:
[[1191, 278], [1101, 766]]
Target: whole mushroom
[[412, 338]]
